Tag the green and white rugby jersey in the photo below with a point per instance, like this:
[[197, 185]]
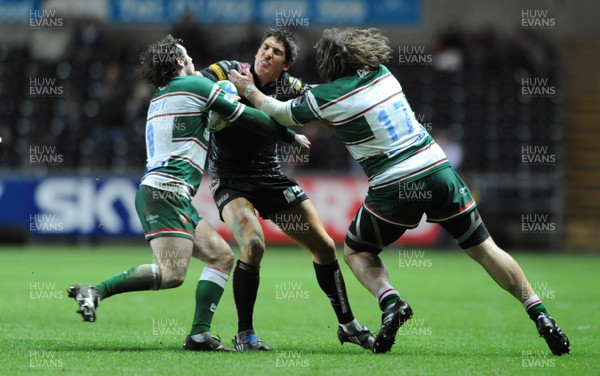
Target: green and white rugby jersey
[[371, 115], [177, 134]]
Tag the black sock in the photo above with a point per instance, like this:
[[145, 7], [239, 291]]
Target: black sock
[[332, 283], [246, 279]]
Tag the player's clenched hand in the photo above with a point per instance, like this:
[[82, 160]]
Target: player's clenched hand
[[302, 140], [241, 81]]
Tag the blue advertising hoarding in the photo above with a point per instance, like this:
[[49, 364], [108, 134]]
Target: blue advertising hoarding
[[69, 206], [296, 13]]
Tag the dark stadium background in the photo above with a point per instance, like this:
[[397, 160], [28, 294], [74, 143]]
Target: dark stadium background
[[511, 89]]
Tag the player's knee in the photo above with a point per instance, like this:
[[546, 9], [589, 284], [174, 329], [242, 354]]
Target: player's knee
[[229, 260], [254, 248], [172, 277], [224, 260], [323, 249]]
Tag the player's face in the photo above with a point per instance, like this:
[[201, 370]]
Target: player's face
[[269, 61], [186, 63]]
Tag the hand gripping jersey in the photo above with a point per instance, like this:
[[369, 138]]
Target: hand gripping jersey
[[371, 115]]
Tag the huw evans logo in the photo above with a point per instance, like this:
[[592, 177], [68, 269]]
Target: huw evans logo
[[537, 19], [45, 19], [537, 155], [44, 87], [290, 18], [414, 55], [537, 87], [537, 224]]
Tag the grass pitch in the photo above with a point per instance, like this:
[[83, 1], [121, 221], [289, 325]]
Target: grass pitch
[[463, 323]]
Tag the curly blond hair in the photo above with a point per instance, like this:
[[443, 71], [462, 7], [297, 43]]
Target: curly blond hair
[[341, 52]]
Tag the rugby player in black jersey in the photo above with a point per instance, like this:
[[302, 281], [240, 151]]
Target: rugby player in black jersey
[[246, 177]]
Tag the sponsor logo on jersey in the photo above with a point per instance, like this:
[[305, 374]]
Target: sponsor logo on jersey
[[289, 195], [152, 218], [362, 72], [214, 184], [183, 219]]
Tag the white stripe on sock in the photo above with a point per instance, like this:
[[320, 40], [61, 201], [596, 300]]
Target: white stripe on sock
[[215, 276], [531, 300], [155, 273], [385, 292]]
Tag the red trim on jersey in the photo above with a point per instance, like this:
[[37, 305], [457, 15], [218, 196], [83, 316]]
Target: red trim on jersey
[[352, 143], [213, 97], [175, 114], [193, 139], [189, 161], [167, 176], [312, 108], [233, 117], [355, 91], [178, 93]]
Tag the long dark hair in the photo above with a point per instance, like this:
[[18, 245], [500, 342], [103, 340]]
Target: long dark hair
[[340, 52]]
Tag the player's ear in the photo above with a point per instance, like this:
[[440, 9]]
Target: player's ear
[[286, 67]]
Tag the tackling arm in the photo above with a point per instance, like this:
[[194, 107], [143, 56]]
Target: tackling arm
[[252, 119], [258, 121], [280, 111]]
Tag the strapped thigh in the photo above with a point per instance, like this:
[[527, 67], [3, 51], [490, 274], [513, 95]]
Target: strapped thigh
[[468, 230], [368, 233]]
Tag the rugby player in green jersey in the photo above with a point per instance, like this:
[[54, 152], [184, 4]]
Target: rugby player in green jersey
[[247, 178], [176, 145], [365, 106]]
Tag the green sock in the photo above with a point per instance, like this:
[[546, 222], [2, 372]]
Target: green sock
[[139, 278], [386, 302], [208, 293]]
